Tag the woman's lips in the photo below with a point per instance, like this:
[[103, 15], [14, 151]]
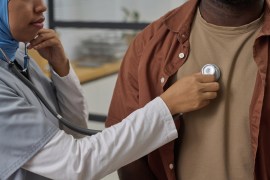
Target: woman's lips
[[39, 23]]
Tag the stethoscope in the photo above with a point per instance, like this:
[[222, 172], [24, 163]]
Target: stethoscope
[[211, 69], [208, 69], [28, 83]]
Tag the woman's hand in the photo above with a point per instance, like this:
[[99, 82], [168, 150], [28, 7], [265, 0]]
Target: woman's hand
[[190, 93], [50, 47]]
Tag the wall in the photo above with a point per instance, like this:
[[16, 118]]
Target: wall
[[103, 10], [111, 10]]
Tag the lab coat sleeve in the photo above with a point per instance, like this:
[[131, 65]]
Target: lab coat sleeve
[[70, 98], [96, 156]]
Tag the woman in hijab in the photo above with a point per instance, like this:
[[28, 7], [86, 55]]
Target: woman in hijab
[[32, 146]]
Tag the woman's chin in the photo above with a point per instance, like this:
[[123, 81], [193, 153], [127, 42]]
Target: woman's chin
[[27, 39]]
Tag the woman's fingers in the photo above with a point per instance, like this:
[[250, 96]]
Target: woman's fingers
[[204, 78], [50, 48], [209, 95], [210, 87], [43, 35], [191, 93], [45, 43]]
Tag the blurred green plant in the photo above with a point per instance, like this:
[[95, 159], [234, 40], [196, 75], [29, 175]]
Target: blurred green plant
[[130, 16]]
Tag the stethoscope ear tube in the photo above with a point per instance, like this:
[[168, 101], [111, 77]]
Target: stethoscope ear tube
[[70, 125]]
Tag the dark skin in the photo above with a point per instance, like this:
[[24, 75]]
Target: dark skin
[[231, 12], [219, 12]]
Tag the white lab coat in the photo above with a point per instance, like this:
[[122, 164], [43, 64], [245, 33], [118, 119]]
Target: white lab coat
[[53, 154], [25, 124]]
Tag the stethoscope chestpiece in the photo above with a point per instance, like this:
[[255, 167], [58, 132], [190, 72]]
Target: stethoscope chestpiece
[[211, 69]]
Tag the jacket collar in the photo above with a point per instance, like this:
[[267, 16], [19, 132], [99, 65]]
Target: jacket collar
[[184, 16], [266, 22]]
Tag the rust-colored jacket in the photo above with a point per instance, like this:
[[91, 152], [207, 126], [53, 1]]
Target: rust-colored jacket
[[152, 60]]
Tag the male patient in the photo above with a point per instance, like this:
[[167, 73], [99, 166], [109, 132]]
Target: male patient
[[229, 138]]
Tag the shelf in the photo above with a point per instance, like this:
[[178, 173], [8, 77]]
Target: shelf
[[85, 74]]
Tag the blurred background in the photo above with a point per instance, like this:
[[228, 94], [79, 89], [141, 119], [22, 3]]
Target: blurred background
[[106, 14]]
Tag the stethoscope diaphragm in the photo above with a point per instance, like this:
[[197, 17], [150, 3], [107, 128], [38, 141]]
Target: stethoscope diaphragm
[[211, 69]]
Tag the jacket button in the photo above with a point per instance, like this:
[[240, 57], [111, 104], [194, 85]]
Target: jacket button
[[181, 55], [162, 80], [171, 166]]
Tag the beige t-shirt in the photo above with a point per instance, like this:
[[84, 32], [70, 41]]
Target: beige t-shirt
[[215, 142]]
